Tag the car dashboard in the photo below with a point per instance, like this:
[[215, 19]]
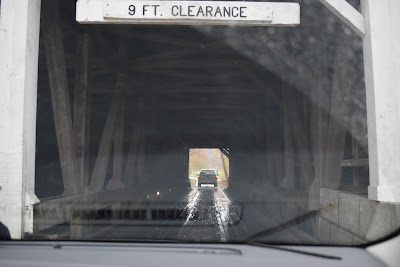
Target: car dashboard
[[60, 254]]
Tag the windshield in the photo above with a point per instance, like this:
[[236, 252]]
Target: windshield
[[207, 172], [223, 133]]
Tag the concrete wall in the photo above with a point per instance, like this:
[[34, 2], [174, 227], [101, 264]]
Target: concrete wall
[[353, 219]]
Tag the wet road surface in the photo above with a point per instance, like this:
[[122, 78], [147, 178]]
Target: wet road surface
[[207, 218], [206, 215], [210, 216]]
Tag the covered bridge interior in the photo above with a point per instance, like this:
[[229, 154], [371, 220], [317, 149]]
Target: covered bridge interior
[[119, 107]]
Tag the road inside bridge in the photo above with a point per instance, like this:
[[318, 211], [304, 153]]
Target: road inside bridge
[[209, 216]]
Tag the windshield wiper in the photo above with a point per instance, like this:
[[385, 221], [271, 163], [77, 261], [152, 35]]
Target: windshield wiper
[[284, 225], [252, 239], [303, 252]]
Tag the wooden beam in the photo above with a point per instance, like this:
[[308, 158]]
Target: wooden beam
[[131, 166], [119, 146], [185, 64], [278, 48], [319, 121], [260, 156], [53, 41], [103, 155], [119, 155], [180, 89], [355, 150], [76, 225], [320, 125], [81, 112], [355, 163], [86, 148], [141, 156], [289, 157], [343, 83], [348, 14], [271, 56], [182, 53], [57, 211], [163, 38], [300, 138], [224, 165], [271, 168], [167, 65], [258, 82], [181, 75], [225, 151]]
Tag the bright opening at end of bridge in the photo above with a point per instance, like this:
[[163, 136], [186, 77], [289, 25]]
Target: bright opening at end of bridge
[[210, 166]]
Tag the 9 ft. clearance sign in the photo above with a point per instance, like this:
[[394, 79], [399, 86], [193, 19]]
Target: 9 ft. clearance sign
[[188, 12], [191, 10]]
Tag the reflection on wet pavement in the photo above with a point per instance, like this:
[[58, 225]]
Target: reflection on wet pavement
[[210, 216], [203, 215]]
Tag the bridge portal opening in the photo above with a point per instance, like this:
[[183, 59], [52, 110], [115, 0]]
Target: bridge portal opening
[[120, 107], [207, 164]]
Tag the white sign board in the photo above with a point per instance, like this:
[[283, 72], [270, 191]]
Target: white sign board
[[187, 12]]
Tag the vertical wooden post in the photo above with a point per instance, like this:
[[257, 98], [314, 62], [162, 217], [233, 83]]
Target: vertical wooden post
[[76, 225], [320, 126], [270, 127], [300, 138], [343, 82], [224, 165], [119, 146], [81, 112], [320, 102], [131, 166], [318, 130], [116, 213], [103, 155], [355, 130], [119, 155], [138, 172], [289, 174], [53, 40], [141, 156], [270, 164], [260, 156], [356, 170]]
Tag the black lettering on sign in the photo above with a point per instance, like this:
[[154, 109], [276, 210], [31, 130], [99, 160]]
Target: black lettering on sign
[[145, 9], [235, 14], [132, 10], [155, 9], [208, 11], [174, 11], [200, 11], [242, 15], [190, 11], [227, 12], [205, 11], [181, 13], [218, 11]]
